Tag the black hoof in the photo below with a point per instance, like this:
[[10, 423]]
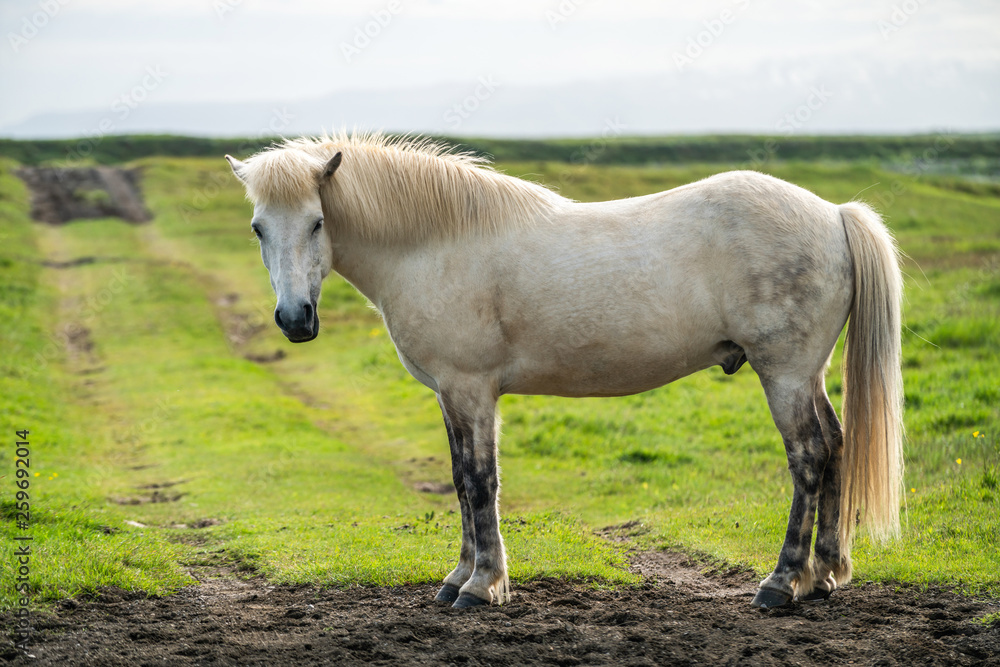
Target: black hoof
[[815, 594], [466, 600], [448, 593], [768, 598]]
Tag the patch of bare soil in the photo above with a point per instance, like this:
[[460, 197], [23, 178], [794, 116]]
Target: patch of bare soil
[[70, 263], [440, 488], [81, 356], [681, 616], [242, 327], [78, 340], [59, 195], [266, 357], [155, 497]]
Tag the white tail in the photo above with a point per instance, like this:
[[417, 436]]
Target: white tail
[[872, 472]]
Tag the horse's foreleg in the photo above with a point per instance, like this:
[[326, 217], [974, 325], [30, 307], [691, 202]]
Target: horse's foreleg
[[467, 556], [475, 426], [795, 416], [832, 560]]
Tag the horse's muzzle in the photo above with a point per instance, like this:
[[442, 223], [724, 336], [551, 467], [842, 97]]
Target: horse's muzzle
[[299, 323]]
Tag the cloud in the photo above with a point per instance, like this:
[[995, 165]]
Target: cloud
[[268, 50]]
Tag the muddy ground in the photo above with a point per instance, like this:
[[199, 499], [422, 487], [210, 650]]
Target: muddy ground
[[682, 616], [59, 195]]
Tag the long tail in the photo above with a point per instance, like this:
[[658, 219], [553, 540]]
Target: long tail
[[872, 473]]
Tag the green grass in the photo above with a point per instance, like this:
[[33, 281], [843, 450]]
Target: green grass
[[303, 470], [988, 620]]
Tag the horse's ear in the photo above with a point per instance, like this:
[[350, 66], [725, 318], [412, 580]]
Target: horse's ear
[[331, 166], [238, 167]]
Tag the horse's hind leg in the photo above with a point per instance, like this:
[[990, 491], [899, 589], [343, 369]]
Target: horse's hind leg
[[832, 560], [794, 413], [467, 556], [472, 413]]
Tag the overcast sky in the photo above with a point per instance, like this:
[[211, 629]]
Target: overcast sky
[[85, 55]]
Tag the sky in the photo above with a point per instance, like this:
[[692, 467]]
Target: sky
[[918, 65]]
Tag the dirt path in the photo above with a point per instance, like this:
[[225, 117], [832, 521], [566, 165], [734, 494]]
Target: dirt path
[[680, 617]]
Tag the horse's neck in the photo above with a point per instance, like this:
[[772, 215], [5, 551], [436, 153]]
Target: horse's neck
[[371, 261], [361, 263]]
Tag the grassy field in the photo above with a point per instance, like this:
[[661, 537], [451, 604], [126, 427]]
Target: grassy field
[[173, 426]]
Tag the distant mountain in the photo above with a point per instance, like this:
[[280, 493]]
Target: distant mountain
[[837, 100]]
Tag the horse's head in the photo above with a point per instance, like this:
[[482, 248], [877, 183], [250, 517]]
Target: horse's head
[[288, 221]]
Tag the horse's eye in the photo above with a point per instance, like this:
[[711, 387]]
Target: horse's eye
[[260, 237], [319, 225]]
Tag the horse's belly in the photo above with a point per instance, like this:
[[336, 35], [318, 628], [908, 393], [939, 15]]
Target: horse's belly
[[598, 370]]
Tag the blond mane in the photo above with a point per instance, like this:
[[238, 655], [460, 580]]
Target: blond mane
[[398, 188]]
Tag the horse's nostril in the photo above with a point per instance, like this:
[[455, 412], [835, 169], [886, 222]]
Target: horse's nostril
[[295, 321]]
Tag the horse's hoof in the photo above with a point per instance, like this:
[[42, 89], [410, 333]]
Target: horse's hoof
[[466, 600], [815, 594], [448, 593], [768, 598]]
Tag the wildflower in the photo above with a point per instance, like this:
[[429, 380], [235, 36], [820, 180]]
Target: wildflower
[[37, 474], [912, 490], [975, 434], [958, 461], [645, 485], [55, 474], [374, 332]]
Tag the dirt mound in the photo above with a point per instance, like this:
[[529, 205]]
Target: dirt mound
[[60, 195], [682, 616]]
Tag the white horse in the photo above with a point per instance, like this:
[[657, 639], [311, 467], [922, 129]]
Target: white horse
[[491, 285]]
